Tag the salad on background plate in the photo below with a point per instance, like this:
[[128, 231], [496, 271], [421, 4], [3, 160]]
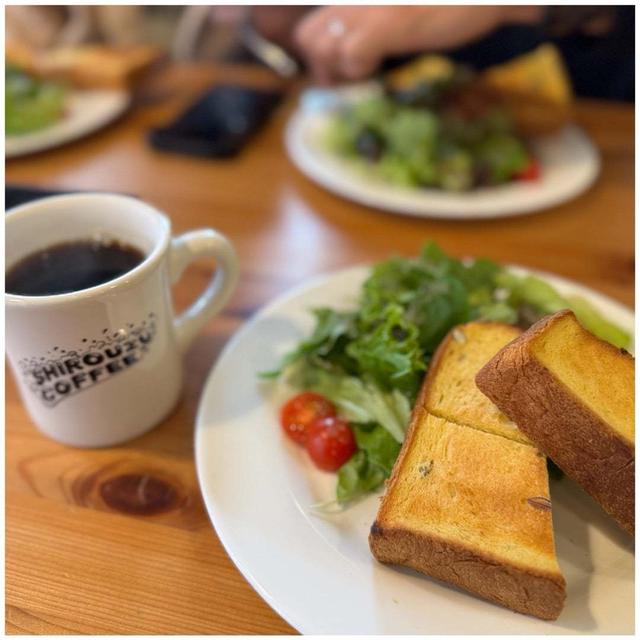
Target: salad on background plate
[[30, 103], [444, 133], [437, 124], [437, 139]]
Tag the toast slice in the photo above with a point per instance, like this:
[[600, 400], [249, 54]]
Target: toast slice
[[88, 66], [472, 508], [450, 390], [573, 395], [535, 88], [425, 68], [468, 499]]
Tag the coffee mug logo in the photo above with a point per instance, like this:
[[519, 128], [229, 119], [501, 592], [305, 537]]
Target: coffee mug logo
[[60, 373]]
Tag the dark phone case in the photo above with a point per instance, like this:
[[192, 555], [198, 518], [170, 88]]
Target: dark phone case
[[219, 123]]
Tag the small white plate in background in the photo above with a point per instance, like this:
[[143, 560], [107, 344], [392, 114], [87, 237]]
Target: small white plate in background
[[569, 165], [85, 112]]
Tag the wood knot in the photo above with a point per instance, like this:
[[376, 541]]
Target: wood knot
[[139, 494]]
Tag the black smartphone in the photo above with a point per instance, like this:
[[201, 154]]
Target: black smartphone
[[219, 123]]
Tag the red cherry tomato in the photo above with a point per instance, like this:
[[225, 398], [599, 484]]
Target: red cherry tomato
[[530, 172], [330, 442], [299, 412]]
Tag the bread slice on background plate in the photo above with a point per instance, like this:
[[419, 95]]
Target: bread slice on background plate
[[573, 395], [535, 88], [468, 500]]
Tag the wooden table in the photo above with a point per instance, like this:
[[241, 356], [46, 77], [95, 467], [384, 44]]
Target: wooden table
[[77, 564]]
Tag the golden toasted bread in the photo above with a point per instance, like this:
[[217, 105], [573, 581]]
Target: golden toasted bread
[[472, 509], [426, 67], [468, 499], [535, 88], [88, 66], [573, 395], [450, 390], [18, 54]]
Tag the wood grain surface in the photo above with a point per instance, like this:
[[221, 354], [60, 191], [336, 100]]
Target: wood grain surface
[[117, 540]]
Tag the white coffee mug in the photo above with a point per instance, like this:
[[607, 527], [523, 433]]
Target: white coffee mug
[[99, 366]]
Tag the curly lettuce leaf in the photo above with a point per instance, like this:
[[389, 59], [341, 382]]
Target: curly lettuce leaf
[[331, 328], [358, 400], [389, 351], [358, 477], [371, 465], [381, 447]]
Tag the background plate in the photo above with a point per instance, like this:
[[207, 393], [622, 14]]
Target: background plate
[[86, 112], [317, 571], [570, 163]]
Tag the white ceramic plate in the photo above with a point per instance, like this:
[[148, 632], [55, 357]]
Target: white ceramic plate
[[569, 162], [317, 571], [86, 112]]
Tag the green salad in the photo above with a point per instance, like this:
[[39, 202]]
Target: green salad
[[370, 361], [30, 104], [445, 135]]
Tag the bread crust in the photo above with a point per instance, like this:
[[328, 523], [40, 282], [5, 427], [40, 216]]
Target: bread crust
[[585, 447], [539, 594]]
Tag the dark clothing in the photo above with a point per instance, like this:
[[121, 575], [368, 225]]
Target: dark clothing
[[599, 66]]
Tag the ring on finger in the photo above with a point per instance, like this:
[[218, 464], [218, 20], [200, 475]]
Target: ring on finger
[[336, 28]]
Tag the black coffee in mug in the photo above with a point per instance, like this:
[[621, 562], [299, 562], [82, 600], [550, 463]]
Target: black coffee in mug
[[71, 266]]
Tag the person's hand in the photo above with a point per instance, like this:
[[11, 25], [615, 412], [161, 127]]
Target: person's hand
[[349, 42]]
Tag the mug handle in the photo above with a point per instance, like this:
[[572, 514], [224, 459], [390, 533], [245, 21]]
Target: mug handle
[[184, 250]]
